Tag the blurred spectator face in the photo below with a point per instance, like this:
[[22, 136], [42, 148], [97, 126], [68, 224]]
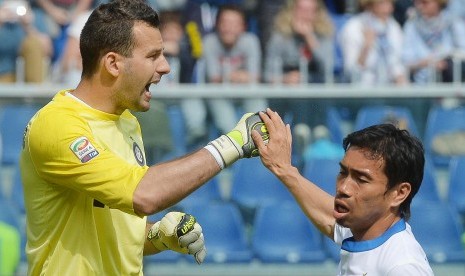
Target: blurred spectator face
[[230, 26], [172, 31], [305, 10], [382, 9], [428, 8]]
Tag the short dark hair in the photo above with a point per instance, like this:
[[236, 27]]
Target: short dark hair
[[109, 28], [403, 156]]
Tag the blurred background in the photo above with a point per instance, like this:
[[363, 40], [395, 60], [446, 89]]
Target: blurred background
[[328, 67]]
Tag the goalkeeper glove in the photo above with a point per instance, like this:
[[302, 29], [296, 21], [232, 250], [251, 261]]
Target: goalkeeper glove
[[238, 142], [179, 232]]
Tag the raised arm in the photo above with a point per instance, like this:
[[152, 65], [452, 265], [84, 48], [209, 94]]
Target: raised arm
[[276, 156]]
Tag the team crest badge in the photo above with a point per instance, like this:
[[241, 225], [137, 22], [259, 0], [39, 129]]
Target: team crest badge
[[83, 149], [138, 154]]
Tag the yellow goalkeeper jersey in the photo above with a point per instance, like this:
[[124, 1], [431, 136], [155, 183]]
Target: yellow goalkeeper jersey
[[80, 167]]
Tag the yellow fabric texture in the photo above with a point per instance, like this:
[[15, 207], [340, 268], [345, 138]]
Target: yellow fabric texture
[[80, 168]]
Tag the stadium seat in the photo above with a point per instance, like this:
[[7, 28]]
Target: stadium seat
[[429, 187], [332, 249], [283, 234], [442, 120], [178, 131], [335, 124], [376, 114], [9, 214], [13, 121], [254, 185], [456, 189], [322, 172], [224, 231], [208, 192], [437, 228], [17, 195]]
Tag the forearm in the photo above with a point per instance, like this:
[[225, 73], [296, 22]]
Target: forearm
[[314, 202], [167, 183]]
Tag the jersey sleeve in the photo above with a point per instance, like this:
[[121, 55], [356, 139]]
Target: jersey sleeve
[[102, 174]]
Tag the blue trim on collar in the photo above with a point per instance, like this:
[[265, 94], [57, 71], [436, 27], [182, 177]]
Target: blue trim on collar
[[351, 245]]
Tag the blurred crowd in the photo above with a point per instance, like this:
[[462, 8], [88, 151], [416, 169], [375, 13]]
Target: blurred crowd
[[247, 41], [284, 42]]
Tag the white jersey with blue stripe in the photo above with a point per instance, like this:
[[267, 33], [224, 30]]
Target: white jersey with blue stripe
[[396, 252]]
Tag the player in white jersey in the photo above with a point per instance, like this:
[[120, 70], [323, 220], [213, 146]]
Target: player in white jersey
[[380, 173]]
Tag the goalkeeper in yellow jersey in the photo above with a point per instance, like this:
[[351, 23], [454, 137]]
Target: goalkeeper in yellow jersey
[[87, 187]]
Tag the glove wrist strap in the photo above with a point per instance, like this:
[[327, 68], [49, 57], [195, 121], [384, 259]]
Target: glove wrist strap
[[228, 150], [153, 237]]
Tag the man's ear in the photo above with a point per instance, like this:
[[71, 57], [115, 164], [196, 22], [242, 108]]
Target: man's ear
[[111, 63], [400, 193]]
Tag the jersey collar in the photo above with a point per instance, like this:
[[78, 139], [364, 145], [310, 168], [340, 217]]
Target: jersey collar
[[351, 245]]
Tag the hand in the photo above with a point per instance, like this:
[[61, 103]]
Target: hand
[[276, 154], [238, 142], [179, 232]]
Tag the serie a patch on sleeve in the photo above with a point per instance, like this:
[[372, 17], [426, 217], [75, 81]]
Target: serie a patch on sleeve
[[83, 149]]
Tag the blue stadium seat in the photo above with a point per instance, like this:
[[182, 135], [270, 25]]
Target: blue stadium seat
[[178, 129], [17, 195], [224, 231], [208, 192], [283, 234], [332, 249], [335, 124], [442, 120], [254, 185], [9, 214], [429, 187], [376, 114], [13, 122], [322, 172], [437, 228], [456, 189]]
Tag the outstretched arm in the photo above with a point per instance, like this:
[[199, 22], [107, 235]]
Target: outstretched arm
[[276, 156]]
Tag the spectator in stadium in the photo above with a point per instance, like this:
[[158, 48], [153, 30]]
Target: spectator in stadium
[[21, 41], [53, 18], [321, 146], [231, 55], [87, 187], [431, 38], [371, 44], [70, 64], [380, 173], [300, 50]]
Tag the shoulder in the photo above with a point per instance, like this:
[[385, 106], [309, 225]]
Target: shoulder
[[403, 250]]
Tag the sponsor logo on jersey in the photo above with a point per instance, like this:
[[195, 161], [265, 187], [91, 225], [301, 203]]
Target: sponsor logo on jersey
[[138, 154], [83, 149]]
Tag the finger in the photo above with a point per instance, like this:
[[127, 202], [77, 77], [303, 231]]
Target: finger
[[196, 246], [200, 256], [258, 140], [191, 236], [266, 119], [289, 134]]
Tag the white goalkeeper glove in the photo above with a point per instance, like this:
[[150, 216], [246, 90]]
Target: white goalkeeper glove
[[238, 142], [179, 232]]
